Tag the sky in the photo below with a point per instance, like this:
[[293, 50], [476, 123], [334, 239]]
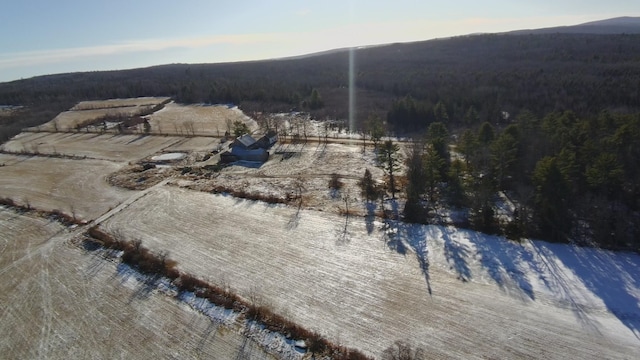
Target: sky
[[39, 37]]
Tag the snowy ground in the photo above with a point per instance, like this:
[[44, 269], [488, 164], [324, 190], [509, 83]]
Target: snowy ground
[[314, 164], [112, 147], [365, 283], [116, 103], [60, 301], [360, 281], [209, 120]]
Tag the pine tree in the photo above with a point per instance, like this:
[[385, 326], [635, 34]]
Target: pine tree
[[389, 160]]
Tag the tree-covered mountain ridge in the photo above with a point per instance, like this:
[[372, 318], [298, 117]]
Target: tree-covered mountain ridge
[[558, 69]]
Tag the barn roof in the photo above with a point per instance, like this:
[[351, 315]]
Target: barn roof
[[246, 140]]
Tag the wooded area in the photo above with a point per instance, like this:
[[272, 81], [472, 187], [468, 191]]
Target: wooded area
[[570, 178]]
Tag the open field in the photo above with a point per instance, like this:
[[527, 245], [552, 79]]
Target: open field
[[208, 120], [116, 103], [62, 302], [365, 284], [112, 147], [197, 143], [71, 186], [87, 111], [22, 233], [69, 120]]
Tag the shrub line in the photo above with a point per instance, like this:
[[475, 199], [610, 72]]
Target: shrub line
[[55, 214], [52, 155]]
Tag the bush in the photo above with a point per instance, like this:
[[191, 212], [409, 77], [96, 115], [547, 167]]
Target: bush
[[401, 350], [268, 198], [335, 182]]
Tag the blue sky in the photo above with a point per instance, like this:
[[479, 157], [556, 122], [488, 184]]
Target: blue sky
[[41, 37]]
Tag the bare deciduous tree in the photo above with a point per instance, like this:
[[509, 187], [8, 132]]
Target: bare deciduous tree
[[401, 350]]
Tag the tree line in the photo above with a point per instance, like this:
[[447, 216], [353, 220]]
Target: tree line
[[569, 178]]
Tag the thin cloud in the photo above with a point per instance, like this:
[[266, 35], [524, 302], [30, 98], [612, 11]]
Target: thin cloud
[[303, 12], [41, 57]]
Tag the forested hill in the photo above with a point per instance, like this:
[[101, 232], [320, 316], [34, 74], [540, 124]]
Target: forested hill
[[492, 73], [620, 25]]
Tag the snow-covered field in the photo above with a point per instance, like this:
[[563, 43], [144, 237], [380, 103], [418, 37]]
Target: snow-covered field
[[208, 120], [116, 103], [361, 281], [108, 147], [62, 302], [93, 110], [364, 283], [313, 164]]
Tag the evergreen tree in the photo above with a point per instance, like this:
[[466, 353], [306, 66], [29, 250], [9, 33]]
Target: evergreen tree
[[504, 152], [440, 113], [389, 160], [240, 128], [315, 100], [550, 200], [416, 183], [368, 187]]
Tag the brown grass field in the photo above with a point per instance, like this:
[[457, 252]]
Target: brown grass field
[[62, 302], [116, 103], [71, 186], [121, 148], [207, 120], [88, 111]]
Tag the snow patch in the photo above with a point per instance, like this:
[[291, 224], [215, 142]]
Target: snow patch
[[169, 157]]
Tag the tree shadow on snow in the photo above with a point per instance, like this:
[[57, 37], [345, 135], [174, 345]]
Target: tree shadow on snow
[[614, 277], [370, 217], [343, 237], [144, 284], [138, 138], [208, 336], [294, 220], [245, 349], [400, 236], [456, 254], [503, 261]]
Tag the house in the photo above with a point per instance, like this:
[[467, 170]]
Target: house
[[270, 138], [244, 142], [248, 149]]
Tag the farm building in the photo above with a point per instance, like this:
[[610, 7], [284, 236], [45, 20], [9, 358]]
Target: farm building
[[247, 148], [267, 140]]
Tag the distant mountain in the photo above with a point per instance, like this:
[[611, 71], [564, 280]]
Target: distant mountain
[[620, 25]]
